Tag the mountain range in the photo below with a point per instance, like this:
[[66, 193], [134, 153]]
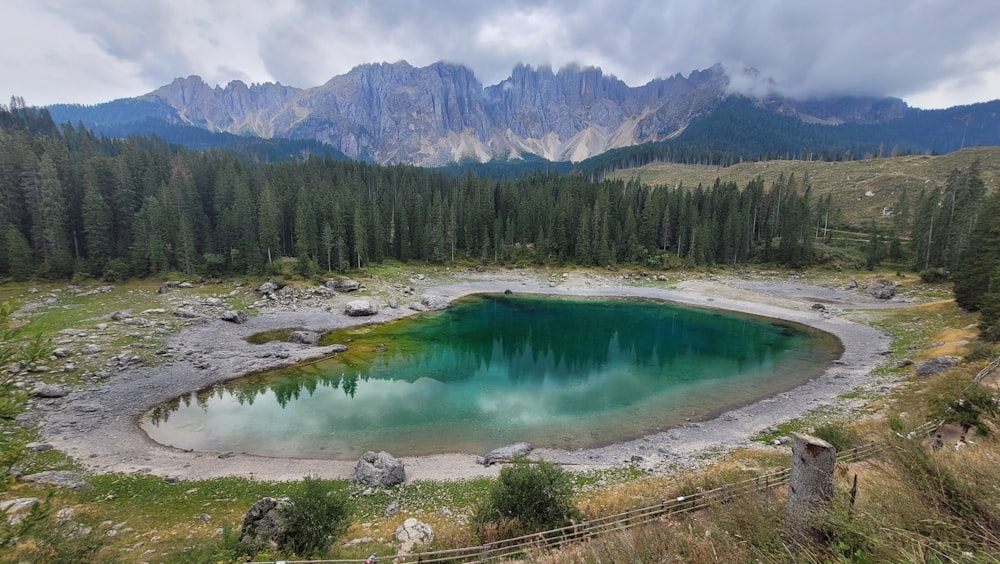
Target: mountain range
[[441, 114]]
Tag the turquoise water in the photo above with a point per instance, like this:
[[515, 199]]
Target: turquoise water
[[496, 369]]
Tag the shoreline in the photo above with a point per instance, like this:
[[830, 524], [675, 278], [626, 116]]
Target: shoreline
[[99, 425]]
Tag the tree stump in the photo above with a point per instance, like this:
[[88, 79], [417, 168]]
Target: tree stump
[[810, 485]]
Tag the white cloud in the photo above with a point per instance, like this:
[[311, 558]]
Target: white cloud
[[931, 52]]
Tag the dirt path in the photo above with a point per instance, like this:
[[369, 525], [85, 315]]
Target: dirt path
[[99, 425]]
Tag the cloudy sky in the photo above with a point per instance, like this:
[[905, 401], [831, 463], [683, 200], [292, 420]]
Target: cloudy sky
[[931, 53]]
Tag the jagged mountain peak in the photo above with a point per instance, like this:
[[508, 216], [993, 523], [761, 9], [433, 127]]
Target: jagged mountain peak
[[441, 113]]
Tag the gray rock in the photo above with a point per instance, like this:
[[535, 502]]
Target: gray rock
[[61, 478], [234, 316], [303, 337], [936, 365], [265, 524], [48, 391], [18, 506], [504, 454], [121, 315], [882, 289], [343, 285], [268, 288], [393, 509], [88, 407], [186, 313], [434, 303], [413, 532], [379, 469], [38, 447], [91, 349], [62, 352], [213, 302], [360, 308], [324, 291]]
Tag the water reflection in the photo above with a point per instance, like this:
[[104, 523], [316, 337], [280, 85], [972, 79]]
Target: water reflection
[[496, 369]]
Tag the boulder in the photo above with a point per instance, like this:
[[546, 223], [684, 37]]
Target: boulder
[[91, 349], [62, 478], [234, 316], [343, 285], [434, 303], [360, 308], [269, 287], [265, 524], [379, 469], [121, 315], [48, 391], [213, 302], [303, 337], [19, 505], [186, 313], [882, 289], [413, 532], [504, 454], [936, 365]]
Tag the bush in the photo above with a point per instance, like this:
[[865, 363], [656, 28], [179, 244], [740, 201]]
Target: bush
[[978, 351], [527, 497], [842, 438], [932, 275], [315, 518]]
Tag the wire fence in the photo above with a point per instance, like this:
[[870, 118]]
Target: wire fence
[[592, 528]]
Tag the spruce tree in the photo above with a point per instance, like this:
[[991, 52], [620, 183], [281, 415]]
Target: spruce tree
[[989, 309], [980, 258]]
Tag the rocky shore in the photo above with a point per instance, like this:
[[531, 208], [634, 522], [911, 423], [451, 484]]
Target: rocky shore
[[98, 424]]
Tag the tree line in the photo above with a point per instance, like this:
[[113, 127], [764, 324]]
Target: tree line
[[76, 204]]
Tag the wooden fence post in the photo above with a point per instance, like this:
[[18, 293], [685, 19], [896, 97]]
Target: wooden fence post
[[810, 486]]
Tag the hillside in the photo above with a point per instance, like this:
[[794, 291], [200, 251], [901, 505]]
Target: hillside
[[861, 189]]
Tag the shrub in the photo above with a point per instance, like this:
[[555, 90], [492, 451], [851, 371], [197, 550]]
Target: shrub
[[841, 437], [527, 497], [978, 350], [932, 275], [315, 518]]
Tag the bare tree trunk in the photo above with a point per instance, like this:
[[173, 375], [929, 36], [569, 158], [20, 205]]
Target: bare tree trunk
[[810, 486]]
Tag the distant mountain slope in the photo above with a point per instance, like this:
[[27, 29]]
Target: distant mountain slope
[[441, 114], [861, 189]]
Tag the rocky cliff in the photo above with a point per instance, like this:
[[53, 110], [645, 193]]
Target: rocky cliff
[[439, 114]]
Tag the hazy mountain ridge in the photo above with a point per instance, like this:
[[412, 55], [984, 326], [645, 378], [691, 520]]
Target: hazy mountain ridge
[[441, 113]]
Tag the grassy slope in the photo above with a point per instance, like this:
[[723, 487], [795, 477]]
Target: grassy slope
[[849, 182]]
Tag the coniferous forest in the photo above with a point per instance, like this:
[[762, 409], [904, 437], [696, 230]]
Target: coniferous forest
[[76, 205]]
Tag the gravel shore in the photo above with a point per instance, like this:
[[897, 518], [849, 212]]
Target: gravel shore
[[99, 425]]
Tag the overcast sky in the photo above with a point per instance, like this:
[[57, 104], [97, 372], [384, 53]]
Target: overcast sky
[[931, 53]]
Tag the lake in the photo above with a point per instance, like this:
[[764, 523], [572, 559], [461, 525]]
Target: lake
[[496, 369]]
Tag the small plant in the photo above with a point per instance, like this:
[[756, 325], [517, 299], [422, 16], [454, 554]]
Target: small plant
[[316, 516], [527, 497], [38, 349]]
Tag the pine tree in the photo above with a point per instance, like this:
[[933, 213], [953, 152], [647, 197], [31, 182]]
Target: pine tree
[[989, 321], [980, 258], [56, 259], [97, 224], [269, 227]]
